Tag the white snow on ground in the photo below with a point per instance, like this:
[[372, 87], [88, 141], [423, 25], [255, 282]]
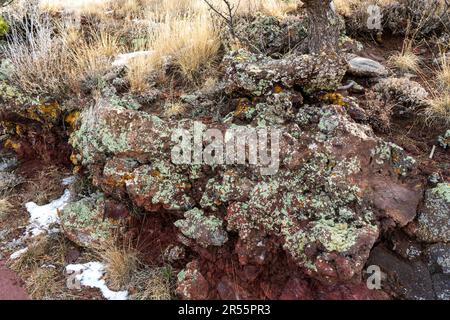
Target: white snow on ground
[[68, 181], [90, 275], [124, 59], [41, 217], [18, 253]]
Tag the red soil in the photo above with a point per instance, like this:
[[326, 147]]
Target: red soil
[[11, 287]]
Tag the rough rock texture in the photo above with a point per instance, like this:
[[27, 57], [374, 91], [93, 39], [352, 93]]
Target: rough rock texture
[[408, 280], [269, 35], [191, 283], [86, 221], [407, 95], [433, 224], [31, 126], [257, 74], [205, 230], [321, 211]]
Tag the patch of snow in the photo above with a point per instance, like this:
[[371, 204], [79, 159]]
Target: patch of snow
[[41, 217], [124, 59], [18, 254], [68, 181], [90, 275]]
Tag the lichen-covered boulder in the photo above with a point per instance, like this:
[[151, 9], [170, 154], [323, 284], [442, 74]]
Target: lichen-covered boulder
[[86, 221], [270, 35], [257, 75], [433, 224], [406, 95], [336, 182], [191, 284], [438, 256], [206, 230]]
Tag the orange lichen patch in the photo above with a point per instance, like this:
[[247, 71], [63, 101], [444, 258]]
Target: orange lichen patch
[[243, 106], [45, 112], [74, 159], [9, 144], [117, 182], [72, 118], [76, 169], [334, 98], [19, 130], [155, 173], [277, 88], [398, 171]]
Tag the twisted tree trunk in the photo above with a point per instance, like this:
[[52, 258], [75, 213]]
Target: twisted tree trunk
[[323, 26]]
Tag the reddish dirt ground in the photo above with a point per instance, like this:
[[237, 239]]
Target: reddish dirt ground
[[11, 287]]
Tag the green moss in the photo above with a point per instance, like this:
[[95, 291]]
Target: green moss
[[4, 27]]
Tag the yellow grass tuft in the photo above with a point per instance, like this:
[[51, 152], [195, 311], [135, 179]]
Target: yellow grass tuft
[[443, 75], [439, 108], [174, 109], [120, 263], [188, 41], [5, 208], [405, 61], [41, 283]]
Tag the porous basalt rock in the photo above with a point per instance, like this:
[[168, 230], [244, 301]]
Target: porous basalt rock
[[191, 284], [257, 75], [86, 221], [206, 230], [432, 222], [406, 94], [269, 35], [322, 207]]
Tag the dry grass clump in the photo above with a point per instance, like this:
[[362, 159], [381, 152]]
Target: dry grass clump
[[439, 105], [45, 187], [32, 257], [439, 108], [153, 284], [406, 61], [42, 284], [5, 207], [53, 58], [189, 42], [443, 74], [121, 264], [174, 109]]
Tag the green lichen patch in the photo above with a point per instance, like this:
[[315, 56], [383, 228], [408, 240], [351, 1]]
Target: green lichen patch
[[206, 230]]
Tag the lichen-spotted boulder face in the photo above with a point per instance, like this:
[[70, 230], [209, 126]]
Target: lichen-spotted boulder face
[[192, 285], [406, 95], [91, 221], [256, 74], [433, 224], [207, 231], [271, 36], [323, 208]]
